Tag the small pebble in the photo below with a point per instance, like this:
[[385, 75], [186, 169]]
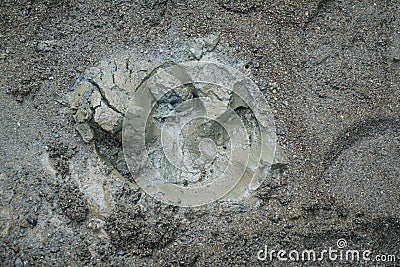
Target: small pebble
[[273, 85], [31, 221], [54, 249], [274, 219], [280, 132], [121, 253], [18, 262], [196, 51], [288, 226]]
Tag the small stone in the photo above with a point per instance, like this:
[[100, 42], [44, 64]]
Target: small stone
[[18, 262], [196, 51], [394, 53], [211, 42], [280, 159], [54, 249], [82, 91], [121, 165], [45, 46], [95, 224], [24, 225], [31, 221], [107, 118], [274, 219], [96, 99], [280, 132], [273, 85], [83, 115], [85, 132], [121, 253]]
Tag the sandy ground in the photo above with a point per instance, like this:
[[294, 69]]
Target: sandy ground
[[336, 105]]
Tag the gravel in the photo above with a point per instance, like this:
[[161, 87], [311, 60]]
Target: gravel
[[336, 64]]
